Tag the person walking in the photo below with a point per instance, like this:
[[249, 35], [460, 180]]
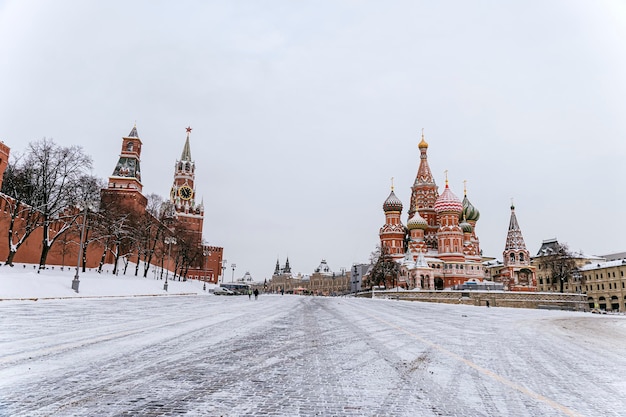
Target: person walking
[[249, 293], [256, 293]]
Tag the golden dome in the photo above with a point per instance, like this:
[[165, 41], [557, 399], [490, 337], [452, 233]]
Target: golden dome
[[422, 144]]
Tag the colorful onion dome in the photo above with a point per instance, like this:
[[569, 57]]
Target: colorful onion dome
[[417, 222], [470, 212], [392, 203], [465, 226], [448, 202], [422, 144]]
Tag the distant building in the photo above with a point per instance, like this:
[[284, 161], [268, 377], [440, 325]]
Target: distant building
[[605, 283], [321, 282], [545, 279]]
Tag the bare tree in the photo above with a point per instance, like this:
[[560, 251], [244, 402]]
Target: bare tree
[[57, 172], [19, 193], [560, 264]]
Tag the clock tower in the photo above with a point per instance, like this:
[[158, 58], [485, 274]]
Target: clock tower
[[183, 192]]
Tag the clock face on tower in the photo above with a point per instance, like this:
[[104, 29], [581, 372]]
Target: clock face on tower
[[185, 192]]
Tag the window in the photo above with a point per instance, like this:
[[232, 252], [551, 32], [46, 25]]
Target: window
[[521, 257]]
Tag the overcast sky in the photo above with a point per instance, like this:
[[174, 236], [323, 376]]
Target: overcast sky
[[302, 111]]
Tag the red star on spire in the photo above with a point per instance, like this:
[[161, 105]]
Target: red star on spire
[[188, 129]]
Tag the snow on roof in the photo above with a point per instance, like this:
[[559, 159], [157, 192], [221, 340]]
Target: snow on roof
[[601, 265]]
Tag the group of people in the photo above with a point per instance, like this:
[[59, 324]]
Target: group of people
[[255, 292]]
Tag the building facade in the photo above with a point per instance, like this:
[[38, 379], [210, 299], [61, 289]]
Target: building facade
[[323, 281], [605, 285]]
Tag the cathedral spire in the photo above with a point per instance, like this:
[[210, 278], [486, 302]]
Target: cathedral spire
[[424, 187], [514, 238]]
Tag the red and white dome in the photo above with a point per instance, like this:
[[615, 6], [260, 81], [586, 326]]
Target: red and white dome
[[448, 202]]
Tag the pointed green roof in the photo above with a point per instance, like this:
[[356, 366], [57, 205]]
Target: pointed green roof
[[186, 155]]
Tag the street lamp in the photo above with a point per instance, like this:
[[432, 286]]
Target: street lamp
[[76, 281], [224, 263], [168, 241], [206, 253], [232, 279]]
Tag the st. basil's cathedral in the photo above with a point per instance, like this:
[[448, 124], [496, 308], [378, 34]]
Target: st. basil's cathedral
[[438, 248]]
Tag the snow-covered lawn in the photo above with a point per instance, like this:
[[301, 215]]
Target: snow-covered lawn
[[23, 281]]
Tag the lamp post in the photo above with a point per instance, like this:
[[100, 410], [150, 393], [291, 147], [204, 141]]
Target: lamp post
[[206, 254], [224, 263], [76, 281], [232, 279], [168, 241]]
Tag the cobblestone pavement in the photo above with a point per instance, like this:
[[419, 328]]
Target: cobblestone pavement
[[305, 356]]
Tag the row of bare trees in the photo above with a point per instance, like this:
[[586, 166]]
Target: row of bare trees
[[49, 187]]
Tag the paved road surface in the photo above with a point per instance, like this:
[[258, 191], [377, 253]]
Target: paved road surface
[[307, 356]]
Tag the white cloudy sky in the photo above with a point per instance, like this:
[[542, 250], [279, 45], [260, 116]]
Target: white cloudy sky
[[302, 111]]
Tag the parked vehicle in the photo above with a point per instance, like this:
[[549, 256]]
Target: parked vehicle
[[237, 288], [223, 291]]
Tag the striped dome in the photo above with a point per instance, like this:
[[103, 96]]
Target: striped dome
[[392, 203], [448, 202], [470, 212]]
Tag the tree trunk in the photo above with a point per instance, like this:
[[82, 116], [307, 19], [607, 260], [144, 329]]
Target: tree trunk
[[10, 258], [45, 248]]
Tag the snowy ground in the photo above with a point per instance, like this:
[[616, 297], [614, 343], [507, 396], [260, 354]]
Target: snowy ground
[[206, 355], [23, 281]]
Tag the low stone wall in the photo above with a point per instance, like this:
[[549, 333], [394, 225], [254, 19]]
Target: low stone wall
[[557, 301]]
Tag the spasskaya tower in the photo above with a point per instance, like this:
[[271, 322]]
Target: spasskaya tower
[[183, 192]]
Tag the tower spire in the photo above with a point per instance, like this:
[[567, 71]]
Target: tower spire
[[186, 155], [514, 238]]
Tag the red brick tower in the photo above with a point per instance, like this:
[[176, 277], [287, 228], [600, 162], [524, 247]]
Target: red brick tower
[[125, 183], [183, 193], [4, 160]]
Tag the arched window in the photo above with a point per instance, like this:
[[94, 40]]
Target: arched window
[[512, 257], [521, 257], [129, 146]]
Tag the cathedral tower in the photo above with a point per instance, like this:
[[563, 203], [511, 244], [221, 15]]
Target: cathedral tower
[[518, 274], [393, 232], [424, 194], [450, 235], [468, 218]]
